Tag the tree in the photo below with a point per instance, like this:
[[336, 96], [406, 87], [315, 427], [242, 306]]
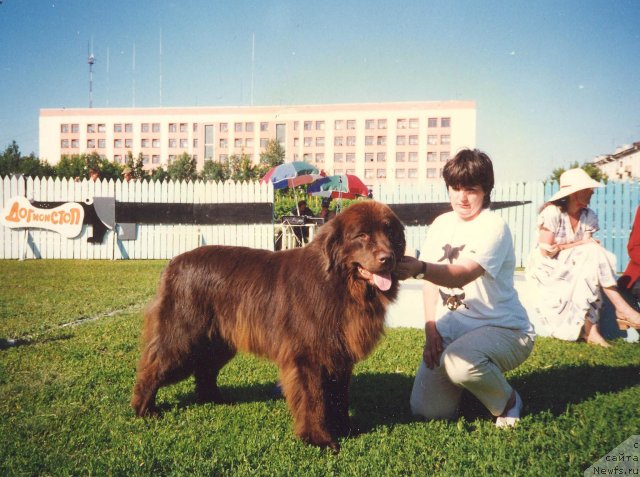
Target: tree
[[273, 155], [159, 174], [215, 171], [242, 169], [184, 168], [13, 162], [136, 166], [592, 170]]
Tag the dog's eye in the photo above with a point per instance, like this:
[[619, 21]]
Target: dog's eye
[[361, 236]]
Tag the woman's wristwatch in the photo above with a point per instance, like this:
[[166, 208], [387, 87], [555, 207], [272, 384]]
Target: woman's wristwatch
[[423, 270]]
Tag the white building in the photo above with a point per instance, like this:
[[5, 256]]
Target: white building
[[623, 164], [405, 142]]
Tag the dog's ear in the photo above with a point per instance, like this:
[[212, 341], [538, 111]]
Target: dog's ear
[[329, 238]]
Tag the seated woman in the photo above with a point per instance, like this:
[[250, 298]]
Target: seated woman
[[630, 279], [570, 269], [476, 329]]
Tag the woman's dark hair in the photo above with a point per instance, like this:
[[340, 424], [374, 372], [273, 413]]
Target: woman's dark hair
[[470, 168], [561, 203]]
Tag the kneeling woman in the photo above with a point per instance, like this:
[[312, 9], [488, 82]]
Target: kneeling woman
[[476, 329]]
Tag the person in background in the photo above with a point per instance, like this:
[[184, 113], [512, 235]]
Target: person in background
[[476, 328], [326, 213], [127, 174], [94, 174], [302, 231], [569, 268], [630, 279]]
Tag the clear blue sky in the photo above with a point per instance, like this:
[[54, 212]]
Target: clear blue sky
[[554, 81]]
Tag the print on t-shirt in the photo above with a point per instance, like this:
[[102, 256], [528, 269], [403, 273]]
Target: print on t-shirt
[[450, 298]]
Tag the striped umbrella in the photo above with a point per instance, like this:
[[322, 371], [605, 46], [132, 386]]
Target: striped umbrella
[[291, 174], [341, 186]]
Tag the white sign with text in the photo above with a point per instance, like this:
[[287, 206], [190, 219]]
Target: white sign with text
[[66, 219]]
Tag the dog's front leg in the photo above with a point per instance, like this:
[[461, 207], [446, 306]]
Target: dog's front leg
[[303, 388]]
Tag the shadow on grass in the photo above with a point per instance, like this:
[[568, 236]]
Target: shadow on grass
[[15, 343], [382, 399]]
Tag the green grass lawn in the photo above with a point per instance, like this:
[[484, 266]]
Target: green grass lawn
[[64, 398]]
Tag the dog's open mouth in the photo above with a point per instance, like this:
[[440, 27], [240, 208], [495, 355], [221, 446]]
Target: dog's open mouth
[[380, 280]]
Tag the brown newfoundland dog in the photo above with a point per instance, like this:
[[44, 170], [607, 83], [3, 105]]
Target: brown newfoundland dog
[[314, 311]]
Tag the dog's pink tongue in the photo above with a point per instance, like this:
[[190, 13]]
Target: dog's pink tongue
[[383, 282]]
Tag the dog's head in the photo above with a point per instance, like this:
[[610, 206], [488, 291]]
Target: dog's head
[[365, 241]]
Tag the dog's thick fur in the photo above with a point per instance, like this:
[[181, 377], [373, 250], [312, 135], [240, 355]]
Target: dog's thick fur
[[314, 311]]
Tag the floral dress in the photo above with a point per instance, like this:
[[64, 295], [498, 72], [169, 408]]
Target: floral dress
[[568, 286]]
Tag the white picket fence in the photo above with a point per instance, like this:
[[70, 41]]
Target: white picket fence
[[615, 205]]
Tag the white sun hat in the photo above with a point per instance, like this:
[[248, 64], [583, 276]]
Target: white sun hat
[[572, 181]]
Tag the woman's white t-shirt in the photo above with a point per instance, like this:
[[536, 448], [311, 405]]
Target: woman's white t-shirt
[[491, 299]]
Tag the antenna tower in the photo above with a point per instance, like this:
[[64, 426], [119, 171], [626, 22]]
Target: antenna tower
[[91, 60]]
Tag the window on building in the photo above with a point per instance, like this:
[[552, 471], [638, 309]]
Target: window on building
[[320, 141], [413, 173], [64, 144], [102, 143], [368, 173], [413, 123], [155, 159], [128, 143], [432, 173], [382, 140], [319, 125], [351, 157], [91, 128], [413, 156], [296, 125], [306, 157], [432, 139], [223, 158], [370, 124], [128, 127], [264, 126], [237, 127], [195, 127], [402, 124], [173, 143], [155, 127], [350, 171], [144, 142], [351, 124], [117, 143], [413, 140], [223, 143], [248, 127], [208, 141], [432, 122], [381, 173], [195, 143], [64, 128], [401, 173], [237, 142], [368, 157], [338, 157], [444, 156], [117, 158], [308, 125], [102, 128], [401, 140], [263, 142], [308, 142], [224, 127], [382, 124], [432, 156], [155, 143], [338, 140], [400, 156], [445, 122], [145, 158], [91, 143], [339, 124], [184, 143], [75, 143], [445, 139], [75, 128], [368, 140], [351, 140], [183, 127], [117, 128], [319, 157], [281, 134], [248, 142], [296, 141], [381, 157], [144, 127]]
